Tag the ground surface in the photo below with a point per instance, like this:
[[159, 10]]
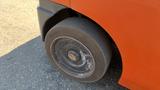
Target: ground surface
[[23, 61]]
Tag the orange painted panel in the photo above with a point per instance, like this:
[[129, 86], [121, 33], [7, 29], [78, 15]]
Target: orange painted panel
[[64, 2], [135, 27]]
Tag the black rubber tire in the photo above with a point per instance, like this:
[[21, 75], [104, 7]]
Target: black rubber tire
[[91, 36]]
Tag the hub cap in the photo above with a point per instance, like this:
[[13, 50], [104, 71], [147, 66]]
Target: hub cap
[[73, 57]]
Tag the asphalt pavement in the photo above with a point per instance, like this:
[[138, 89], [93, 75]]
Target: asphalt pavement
[[27, 68], [24, 64]]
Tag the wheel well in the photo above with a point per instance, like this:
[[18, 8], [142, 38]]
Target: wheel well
[[59, 16], [116, 62]]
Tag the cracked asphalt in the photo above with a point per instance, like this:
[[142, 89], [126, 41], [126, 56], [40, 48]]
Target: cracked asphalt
[[24, 64]]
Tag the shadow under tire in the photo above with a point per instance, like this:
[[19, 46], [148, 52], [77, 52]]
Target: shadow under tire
[[78, 49]]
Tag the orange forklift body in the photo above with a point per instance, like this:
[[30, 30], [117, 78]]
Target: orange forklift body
[[134, 25]]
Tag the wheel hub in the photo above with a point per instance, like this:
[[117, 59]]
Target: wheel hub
[[72, 55]]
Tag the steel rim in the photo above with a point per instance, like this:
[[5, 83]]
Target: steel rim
[[72, 56]]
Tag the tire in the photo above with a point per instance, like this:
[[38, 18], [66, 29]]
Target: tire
[[78, 49]]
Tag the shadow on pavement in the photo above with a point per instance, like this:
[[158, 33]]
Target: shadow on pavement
[[27, 68]]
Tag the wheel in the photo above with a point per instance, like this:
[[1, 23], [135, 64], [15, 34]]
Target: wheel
[[79, 49]]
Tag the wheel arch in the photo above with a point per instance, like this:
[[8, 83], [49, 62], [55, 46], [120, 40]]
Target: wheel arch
[[66, 13]]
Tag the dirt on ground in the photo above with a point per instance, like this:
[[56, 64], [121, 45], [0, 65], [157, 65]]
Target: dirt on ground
[[18, 23]]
